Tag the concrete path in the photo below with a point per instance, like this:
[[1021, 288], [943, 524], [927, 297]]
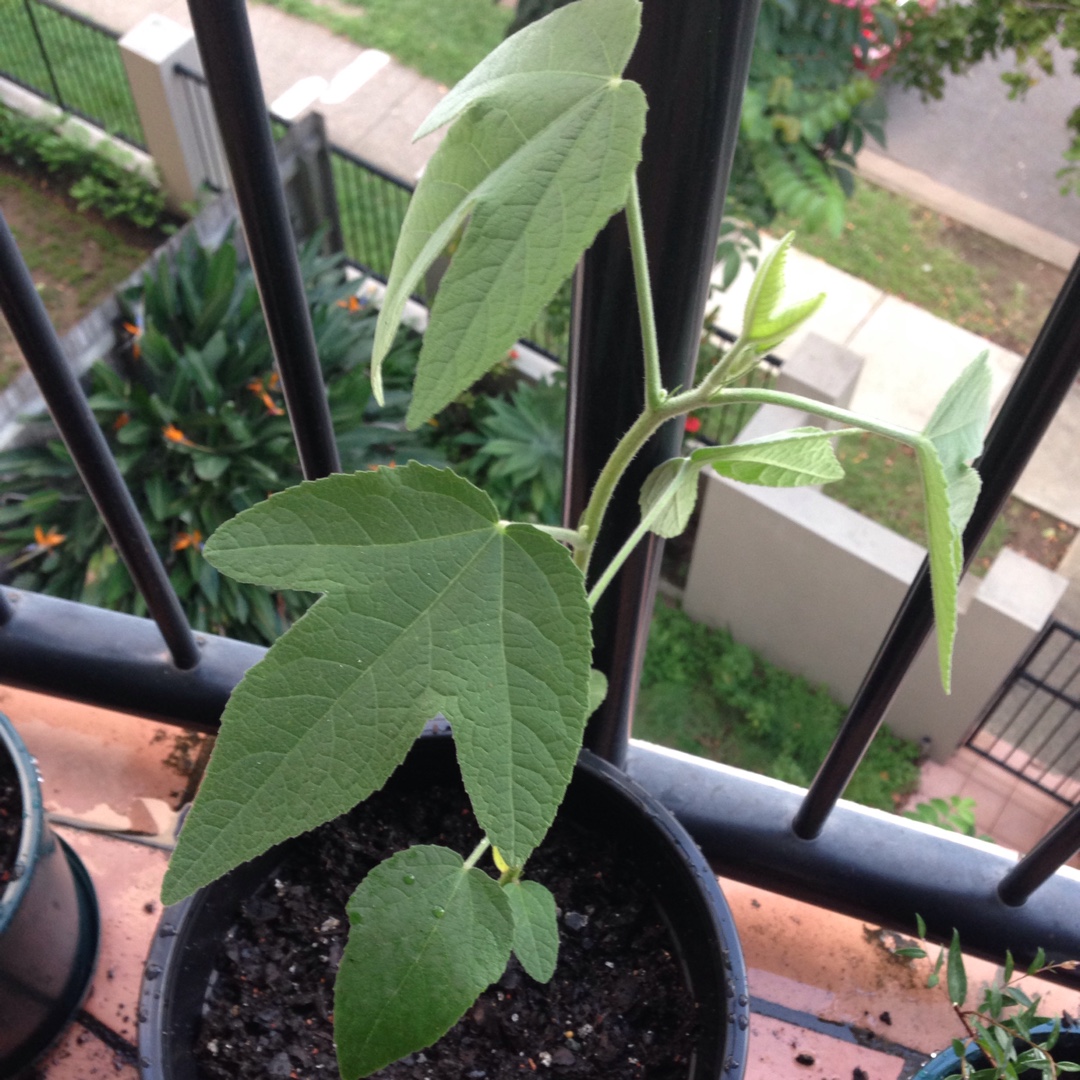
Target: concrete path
[[372, 104]]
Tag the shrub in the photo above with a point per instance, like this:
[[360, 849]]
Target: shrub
[[96, 177], [194, 416], [704, 693]]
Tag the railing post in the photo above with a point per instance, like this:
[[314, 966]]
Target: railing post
[[151, 52], [44, 52], [692, 60]]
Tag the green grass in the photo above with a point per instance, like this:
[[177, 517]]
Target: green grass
[[882, 481], [705, 694], [442, 39], [76, 259], [954, 272], [85, 63]]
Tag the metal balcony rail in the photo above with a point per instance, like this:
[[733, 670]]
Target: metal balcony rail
[[1032, 726], [73, 62], [692, 62]]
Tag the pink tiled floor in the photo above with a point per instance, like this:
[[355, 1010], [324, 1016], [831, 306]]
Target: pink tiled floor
[[1011, 810], [829, 998]]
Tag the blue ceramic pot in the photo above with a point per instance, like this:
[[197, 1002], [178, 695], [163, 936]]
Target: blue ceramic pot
[[49, 927]]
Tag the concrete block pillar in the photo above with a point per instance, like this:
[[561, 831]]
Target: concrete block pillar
[[183, 142], [818, 370]]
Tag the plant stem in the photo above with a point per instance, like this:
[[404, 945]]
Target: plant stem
[[477, 853], [593, 515], [818, 408], [632, 541], [564, 536], [654, 388]]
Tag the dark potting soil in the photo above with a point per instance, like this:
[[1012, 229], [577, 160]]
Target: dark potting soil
[[10, 817], [617, 1007]]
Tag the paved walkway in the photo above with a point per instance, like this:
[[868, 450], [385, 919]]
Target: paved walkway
[[373, 105]]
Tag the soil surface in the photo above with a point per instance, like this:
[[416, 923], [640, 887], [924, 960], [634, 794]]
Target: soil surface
[[616, 1008], [77, 258], [10, 817]]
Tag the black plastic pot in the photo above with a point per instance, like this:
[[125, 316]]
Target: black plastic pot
[[947, 1063], [49, 927], [602, 799]]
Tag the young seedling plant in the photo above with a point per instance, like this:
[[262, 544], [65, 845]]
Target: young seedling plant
[[432, 604], [1004, 1024]]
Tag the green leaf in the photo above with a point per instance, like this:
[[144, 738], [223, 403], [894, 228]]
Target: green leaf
[[598, 687], [765, 327], [1039, 962], [910, 952], [670, 491], [536, 928], [920, 924], [210, 467], [955, 974], [798, 457], [539, 161], [431, 606], [950, 488], [426, 938]]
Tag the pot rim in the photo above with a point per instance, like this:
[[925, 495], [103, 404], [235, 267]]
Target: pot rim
[[33, 821], [727, 983]]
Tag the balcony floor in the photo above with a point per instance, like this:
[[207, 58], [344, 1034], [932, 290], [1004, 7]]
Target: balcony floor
[[829, 1000]]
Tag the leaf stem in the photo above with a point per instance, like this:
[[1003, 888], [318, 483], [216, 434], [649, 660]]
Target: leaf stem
[[654, 387], [565, 536], [477, 853], [818, 408], [632, 541]]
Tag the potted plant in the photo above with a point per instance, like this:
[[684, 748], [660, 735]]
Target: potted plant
[[1004, 1035], [433, 605], [49, 923]]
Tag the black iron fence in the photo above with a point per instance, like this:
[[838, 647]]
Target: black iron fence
[[1032, 726], [71, 61], [799, 842]]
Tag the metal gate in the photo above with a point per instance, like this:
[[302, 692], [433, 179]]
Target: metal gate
[[1032, 725]]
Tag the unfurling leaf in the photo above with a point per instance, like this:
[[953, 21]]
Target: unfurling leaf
[[431, 606], [765, 325], [426, 938], [536, 928], [951, 440], [669, 495], [542, 154]]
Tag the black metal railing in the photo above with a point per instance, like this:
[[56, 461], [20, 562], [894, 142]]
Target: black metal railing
[[802, 843], [1032, 726], [71, 61]]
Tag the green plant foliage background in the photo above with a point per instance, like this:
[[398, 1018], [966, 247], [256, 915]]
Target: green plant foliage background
[[704, 693]]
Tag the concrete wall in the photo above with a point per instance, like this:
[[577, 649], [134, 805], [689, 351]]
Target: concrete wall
[[813, 587]]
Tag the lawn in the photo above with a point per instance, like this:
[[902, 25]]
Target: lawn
[[76, 258], [442, 39], [85, 63], [883, 483], [955, 272]]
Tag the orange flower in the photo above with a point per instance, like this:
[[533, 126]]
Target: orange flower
[[185, 540], [50, 539], [257, 388], [136, 333], [174, 434], [352, 304], [121, 421]]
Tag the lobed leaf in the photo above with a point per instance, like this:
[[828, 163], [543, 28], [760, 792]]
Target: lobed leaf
[[431, 605], [426, 938], [547, 139]]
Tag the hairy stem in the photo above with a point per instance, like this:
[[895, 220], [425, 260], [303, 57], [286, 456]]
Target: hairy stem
[[654, 388]]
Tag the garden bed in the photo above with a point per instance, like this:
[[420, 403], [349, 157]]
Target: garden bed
[[76, 257]]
